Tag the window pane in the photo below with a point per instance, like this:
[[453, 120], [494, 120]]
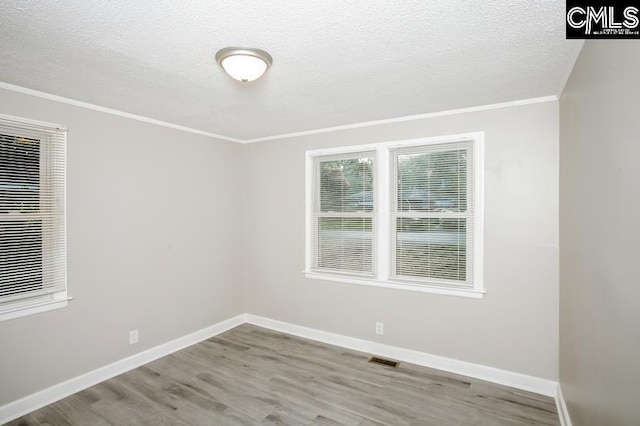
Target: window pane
[[431, 248], [346, 185], [19, 174], [433, 181], [345, 244], [32, 214], [20, 256]]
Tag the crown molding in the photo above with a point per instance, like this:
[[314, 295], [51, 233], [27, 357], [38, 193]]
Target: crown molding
[[68, 101], [510, 104], [488, 107]]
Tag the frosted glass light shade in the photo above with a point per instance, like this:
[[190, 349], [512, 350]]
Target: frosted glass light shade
[[244, 64]]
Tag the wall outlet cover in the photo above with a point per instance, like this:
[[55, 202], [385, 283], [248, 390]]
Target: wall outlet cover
[[380, 328]]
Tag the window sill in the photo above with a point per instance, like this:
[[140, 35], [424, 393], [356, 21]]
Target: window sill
[[33, 308], [470, 293]]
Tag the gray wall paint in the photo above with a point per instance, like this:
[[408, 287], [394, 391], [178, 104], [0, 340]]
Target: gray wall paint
[[514, 328], [154, 243], [155, 209], [599, 211]]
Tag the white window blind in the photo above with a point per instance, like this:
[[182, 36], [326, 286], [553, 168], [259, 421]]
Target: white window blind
[[32, 214], [402, 214], [432, 213], [343, 213]]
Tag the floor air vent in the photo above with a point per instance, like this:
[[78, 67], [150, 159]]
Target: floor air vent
[[384, 361]]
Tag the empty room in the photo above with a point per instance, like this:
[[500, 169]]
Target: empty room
[[319, 213]]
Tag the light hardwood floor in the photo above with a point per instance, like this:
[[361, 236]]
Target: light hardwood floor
[[253, 376]]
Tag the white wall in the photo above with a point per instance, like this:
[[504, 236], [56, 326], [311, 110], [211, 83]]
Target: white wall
[[154, 243], [599, 211], [515, 327]]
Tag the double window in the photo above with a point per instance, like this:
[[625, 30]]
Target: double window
[[400, 214], [32, 217]]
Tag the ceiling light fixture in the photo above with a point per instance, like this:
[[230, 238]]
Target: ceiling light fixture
[[243, 63]]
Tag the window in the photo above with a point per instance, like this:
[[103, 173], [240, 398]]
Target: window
[[32, 217], [400, 214], [343, 219]]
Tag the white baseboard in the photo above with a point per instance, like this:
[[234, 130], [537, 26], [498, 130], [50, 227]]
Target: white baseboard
[[55, 393], [490, 374], [563, 412]]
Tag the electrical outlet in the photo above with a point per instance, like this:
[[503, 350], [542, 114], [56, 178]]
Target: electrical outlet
[[133, 337], [379, 328]]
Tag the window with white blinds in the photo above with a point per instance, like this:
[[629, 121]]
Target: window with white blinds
[[343, 213], [404, 214], [432, 213], [32, 217]]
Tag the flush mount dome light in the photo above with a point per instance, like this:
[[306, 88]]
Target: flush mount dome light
[[242, 63]]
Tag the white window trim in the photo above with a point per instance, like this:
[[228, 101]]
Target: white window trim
[[52, 302], [382, 215], [315, 215], [46, 302]]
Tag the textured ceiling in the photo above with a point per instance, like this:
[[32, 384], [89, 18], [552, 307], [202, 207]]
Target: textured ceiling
[[336, 62]]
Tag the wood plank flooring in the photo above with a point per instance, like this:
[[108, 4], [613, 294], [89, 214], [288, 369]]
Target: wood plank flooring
[[253, 376]]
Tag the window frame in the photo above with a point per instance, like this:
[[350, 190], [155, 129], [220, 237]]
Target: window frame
[[15, 307], [382, 234], [317, 213], [397, 213]]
